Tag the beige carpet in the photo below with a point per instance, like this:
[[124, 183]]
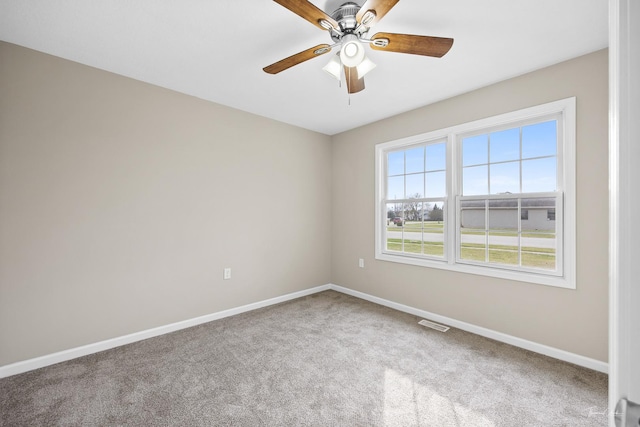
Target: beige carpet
[[324, 360]]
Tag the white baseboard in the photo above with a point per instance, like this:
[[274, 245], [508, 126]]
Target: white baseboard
[[566, 356], [51, 359], [62, 356]]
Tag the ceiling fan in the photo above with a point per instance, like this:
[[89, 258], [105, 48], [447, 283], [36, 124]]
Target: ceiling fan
[[348, 27]]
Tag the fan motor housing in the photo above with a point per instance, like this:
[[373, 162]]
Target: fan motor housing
[[345, 16]]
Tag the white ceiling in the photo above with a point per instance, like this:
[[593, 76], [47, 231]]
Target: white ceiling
[[216, 49]]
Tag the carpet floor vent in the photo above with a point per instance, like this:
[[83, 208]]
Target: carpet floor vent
[[432, 325]]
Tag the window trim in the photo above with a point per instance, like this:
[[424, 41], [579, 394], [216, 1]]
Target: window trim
[[566, 161]]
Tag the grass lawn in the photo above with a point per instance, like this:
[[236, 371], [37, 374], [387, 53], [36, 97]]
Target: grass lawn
[[438, 227], [500, 254], [416, 247], [531, 257], [429, 226], [510, 233]]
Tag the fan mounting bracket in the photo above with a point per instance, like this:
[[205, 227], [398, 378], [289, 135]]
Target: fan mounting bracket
[[381, 42]]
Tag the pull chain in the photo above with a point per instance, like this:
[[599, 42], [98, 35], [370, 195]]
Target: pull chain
[[348, 91]]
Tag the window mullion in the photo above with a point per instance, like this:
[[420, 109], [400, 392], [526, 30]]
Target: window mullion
[[520, 232], [486, 230]]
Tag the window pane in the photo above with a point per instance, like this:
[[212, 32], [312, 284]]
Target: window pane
[[436, 184], [539, 239], [503, 248], [433, 230], [539, 175], [411, 245], [394, 210], [395, 163], [412, 213], [473, 251], [436, 157], [472, 214], [539, 140], [537, 215], [534, 259], [474, 181], [394, 226], [395, 187], [505, 178], [505, 145], [472, 230], [539, 250], [394, 244], [435, 214], [475, 150], [415, 185], [503, 234], [412, 228], [503, 215], [414, 159]]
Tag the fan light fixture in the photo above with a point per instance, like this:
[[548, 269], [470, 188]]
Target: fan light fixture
[[334, 67], [352, 52]]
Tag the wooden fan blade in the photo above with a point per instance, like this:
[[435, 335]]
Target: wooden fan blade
[[296, 59], [380, 7], [308, 11], [417, 45], [354, 84]]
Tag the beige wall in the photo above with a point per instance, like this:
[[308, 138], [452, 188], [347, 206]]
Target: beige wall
[[121, 203], [572, 320]]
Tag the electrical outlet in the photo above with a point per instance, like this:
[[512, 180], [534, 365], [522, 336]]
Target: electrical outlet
[[361, 263], [227, 274]]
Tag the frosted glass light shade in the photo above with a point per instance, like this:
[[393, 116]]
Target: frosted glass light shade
[[334, 67], [352, 52], [365, 66]]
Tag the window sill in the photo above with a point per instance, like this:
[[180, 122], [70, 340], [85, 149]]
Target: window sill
[[527, 277]]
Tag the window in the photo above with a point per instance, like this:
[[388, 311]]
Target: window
[[487, 197], [551, 214]]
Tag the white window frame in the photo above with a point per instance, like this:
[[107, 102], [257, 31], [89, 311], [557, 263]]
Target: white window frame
[[566, 212]]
